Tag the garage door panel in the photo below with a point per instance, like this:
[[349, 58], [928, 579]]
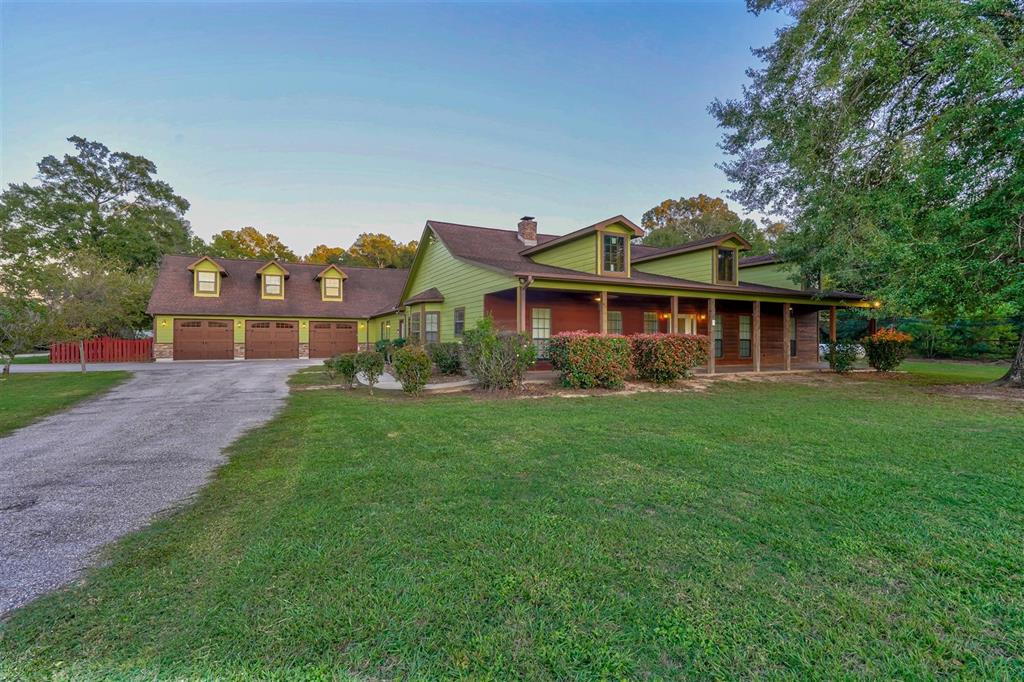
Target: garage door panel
[[267, 339], [327, 339], [203, 340]]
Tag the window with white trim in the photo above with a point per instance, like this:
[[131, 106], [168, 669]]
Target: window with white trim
[[206, 282], [540, 329], [332, 287], [719, 349], [432, 327], [271, 285]]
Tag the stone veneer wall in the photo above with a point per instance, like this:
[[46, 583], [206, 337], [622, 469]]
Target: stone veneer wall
[[303, 351], [163, 351], [239, 351]]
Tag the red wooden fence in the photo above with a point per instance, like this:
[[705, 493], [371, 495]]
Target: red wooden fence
[[105, 349]]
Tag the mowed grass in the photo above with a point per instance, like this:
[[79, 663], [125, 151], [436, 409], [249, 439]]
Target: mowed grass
[[32, 360], [805, 528], [24, 398], [951, 372]]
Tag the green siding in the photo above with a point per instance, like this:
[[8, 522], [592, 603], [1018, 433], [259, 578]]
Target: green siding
[[462, 285], [579, 254], [695, 265], [771, 274]]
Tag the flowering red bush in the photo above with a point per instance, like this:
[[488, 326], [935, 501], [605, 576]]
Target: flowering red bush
[[663, 358], [586, 360], [886, 348]]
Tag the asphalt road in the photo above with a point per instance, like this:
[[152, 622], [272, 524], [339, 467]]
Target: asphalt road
[[75, 481]]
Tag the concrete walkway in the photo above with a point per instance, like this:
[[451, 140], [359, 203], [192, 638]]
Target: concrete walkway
[[77, 480]]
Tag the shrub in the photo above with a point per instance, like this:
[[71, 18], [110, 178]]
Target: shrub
[[496, 359], [412, 368], [887, 348], [841, 356], [385, 348], [586, 360], [447, 357], [663, 358], [371, 364], [344, 366]]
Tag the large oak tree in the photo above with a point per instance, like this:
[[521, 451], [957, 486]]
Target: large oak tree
[[891, 136]]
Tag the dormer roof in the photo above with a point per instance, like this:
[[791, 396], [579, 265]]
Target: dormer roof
[[283, 269], [622, 220], [696, 245], [329, 269], [220, 268]]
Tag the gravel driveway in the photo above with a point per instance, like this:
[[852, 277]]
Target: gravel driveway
[[73, 482]]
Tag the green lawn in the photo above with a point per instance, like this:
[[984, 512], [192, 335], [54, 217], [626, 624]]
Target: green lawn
[[806, 528], [25, 398], [32, 360], [949, 372]]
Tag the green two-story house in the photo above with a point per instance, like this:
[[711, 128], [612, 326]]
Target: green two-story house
[[594, 279]]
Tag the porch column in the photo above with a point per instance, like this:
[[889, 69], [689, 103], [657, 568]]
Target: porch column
[[872, 326], [521, 308], [603, 306], [673, 322], [832, 324], [711, 334], [755, 334], [787, 361]]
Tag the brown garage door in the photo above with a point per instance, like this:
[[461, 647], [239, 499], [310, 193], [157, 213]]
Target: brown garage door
[[203, 340], [271, 339], [327, 339]]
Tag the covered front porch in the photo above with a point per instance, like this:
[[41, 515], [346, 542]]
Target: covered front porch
[[747, 335]]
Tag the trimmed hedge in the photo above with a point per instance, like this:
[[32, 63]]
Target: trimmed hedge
[[586, 360], [447, 357], [887, 348], [412, 368], [344, 366], [663, 358]]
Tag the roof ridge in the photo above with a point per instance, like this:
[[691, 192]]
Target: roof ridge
[[282, 262], [492, 229]]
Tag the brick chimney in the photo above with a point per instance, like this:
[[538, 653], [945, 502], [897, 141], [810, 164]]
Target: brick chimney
[[528, 230]]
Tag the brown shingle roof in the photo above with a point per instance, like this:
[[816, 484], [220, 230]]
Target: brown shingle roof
[[759, 260], [366, 291], [431, 295], [499, 250], [689, 246]]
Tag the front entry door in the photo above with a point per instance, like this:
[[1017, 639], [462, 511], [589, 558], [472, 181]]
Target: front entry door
[[687, 324]]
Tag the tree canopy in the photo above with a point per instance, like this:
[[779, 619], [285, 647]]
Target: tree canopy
[[891, 137], [108, 202], [370, 250], [676, 221], [249, 242]]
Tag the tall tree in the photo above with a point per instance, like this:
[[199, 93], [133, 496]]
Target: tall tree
[[676, 221], [249, 242], [324, 255], [891, 136], [380, 251], [108, 202]]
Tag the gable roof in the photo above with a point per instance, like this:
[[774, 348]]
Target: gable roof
[[207, 259], [686, 247], [276, 262], [431, 295], [367, 291], [767, 259], [331, 266], [501, 251], [541, 246]]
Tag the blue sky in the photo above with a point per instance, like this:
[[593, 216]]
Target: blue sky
[[320, 121]]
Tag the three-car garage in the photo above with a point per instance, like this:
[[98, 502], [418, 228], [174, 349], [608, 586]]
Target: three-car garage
[[221, 339]]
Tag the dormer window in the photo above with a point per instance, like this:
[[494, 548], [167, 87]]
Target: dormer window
[[614, 255], [332, 281], [206, 274], [726, 266], [272, 285], [206, 282]]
